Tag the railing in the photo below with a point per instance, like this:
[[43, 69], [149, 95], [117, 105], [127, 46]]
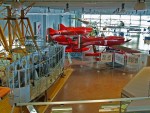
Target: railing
[[106, 108], [82, 101], [31, 75], [128, 62]]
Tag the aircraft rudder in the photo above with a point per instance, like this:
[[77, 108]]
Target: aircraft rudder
[[62, 27], [52, 31]]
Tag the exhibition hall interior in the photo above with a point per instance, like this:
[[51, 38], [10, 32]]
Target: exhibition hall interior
[[74, 56]]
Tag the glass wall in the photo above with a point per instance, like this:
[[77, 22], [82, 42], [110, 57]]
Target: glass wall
[[135, 27], [129, 20]]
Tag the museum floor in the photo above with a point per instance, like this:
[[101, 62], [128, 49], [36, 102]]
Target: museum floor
[[91, 81]]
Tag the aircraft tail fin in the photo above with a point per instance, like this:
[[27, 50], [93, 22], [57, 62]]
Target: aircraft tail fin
[[62, 27], [53, 31]]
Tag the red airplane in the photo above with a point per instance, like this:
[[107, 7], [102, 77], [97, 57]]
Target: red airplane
[[71, 45], [69, 30], [81, 43], [104, 41]]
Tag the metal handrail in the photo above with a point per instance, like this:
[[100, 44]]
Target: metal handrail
[[82, 101]]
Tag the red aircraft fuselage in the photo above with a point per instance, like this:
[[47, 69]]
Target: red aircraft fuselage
[[76, 46], [104, 41], [69, 30]]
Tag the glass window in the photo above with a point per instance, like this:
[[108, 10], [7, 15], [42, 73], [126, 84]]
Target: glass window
[[115, 17], [145, 23], [146, 18], [86, 16], [135, 17], [95, 16], [125, 17], [105, 16], [143, 46], [93, 19], [135, 23], [127, 22], [115, 22], [105, 22]]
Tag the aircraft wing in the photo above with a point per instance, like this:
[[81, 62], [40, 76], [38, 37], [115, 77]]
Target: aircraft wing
[[113, 27], [81, 20], [131, 28], [69, 50], [124, 49]]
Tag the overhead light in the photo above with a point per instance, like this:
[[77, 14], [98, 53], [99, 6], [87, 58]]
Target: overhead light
[[83, 10], [16, 5], [67, 8], [90, 11], [49, 10], [122, 8], [117, 10], [140, 5]]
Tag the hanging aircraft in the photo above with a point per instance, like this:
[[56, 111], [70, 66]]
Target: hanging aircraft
[[93, 24], [69, 30], [71, 44], [88, 23], [78, 30], [129, 28], [52, 32], [122, 25], [82, 20], [81, 44]]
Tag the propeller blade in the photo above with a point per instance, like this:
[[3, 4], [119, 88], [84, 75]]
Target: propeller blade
[[128, 40]]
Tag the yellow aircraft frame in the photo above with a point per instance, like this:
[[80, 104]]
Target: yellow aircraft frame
[[16, 27]]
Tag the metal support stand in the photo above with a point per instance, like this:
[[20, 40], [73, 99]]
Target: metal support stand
[[149, 90], [113, 59]]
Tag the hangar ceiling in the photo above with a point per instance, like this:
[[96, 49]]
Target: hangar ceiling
[[84, 5]]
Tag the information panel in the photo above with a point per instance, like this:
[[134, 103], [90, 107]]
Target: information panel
[[106, 57], [119, 58], [132, 59]]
